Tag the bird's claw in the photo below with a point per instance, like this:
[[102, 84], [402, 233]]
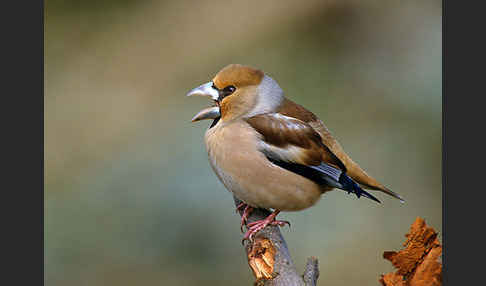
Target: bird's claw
[[255, 227]]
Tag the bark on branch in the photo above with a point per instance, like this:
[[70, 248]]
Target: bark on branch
[[420, 262], [269, 257]]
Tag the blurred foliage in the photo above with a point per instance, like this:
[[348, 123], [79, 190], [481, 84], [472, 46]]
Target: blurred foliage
[[129, 195]]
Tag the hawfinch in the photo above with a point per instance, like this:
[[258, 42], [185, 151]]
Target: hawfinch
[[271, 152]]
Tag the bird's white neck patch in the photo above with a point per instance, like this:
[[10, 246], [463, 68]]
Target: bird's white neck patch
[[270, 96]]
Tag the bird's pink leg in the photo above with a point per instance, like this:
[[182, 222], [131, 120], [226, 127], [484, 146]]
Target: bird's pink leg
[[256, 226], [246, 212], [240, 206], [245, 215]]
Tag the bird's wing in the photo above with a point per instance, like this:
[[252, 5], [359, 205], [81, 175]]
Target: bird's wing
[[291, 140], [295, 146], [292, 109]]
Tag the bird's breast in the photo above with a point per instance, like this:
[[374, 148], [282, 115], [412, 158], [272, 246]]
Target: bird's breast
[[246, 172]]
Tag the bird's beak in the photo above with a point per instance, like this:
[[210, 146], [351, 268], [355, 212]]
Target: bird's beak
[[205, 90], [209, 112]]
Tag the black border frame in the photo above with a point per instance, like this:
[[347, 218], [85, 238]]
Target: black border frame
[[463, 121], [24, 78], [23, 141]]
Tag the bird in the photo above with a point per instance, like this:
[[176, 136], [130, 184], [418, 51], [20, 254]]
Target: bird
[[271, 152]]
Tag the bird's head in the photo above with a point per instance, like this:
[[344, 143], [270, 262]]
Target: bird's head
[[238, 91]]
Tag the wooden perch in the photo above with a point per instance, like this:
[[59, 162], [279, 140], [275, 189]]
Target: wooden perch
[[420, 263], [269, 257]]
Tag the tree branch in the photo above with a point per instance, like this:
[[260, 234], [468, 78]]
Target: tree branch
[[269, 257]]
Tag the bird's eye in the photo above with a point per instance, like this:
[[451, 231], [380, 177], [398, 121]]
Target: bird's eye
[[229, 89], [226, 91]]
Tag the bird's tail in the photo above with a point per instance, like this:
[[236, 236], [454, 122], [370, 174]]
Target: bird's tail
[[351, 187], [360, 176], [393, 194]]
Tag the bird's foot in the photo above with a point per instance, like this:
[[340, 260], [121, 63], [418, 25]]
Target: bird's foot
[[246, 213], [240, 206], [256, 226], [244, 217]]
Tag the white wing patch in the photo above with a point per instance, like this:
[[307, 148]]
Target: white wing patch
[[289, 153]]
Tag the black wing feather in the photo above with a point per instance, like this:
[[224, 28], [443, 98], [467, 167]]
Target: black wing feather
[[325, 174]]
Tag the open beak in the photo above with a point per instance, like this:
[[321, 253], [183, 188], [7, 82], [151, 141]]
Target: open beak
[[205, 90], [209, 112]]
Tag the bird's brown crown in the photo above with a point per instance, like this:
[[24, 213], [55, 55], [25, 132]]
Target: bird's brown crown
[[240, 84], [238, 76]]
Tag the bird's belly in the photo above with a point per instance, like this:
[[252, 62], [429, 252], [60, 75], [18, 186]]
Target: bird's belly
[[247, 173]]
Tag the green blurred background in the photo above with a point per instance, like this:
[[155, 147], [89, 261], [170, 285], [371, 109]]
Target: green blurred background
[[130, 198]]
